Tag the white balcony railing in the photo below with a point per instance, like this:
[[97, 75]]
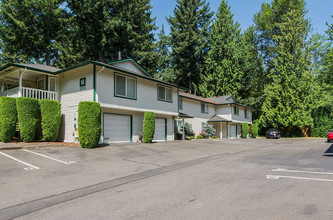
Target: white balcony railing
[[30, 93]]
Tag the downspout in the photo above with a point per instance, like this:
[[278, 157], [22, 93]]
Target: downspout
[[20, 81], [94, 81]]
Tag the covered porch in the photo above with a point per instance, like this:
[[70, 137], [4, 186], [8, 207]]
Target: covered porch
[[226, 128], [29, 80]]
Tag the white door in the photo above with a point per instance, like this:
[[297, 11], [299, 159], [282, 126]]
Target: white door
[[159, 134], [233, 129], [117, 128]]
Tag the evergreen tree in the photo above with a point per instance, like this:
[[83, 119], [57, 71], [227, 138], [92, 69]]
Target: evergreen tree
[[289, 98], [189, 31], [225, 59], [30, 30]]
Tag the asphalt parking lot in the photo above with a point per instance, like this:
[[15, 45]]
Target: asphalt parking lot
[[201, 179]]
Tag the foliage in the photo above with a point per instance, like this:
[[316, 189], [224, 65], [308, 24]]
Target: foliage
[[254, 130], [209, 130], [214, 137], [322, 122], [225, 59], [50, 119], [89, 124], [188, 129], [245, 130], [199, 136], [148, 127], [192, 137], [27, 111], [8, 118], [31, 31], [189, 31]]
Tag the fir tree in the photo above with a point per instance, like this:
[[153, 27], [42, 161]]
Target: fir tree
[[189, 31]]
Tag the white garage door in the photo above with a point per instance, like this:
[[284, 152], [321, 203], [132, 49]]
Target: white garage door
[[159, 134], [117, 128], [233, 131]]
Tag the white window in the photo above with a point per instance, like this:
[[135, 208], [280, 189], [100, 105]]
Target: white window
[[204, 108], [180, 103], [164, 93], [125, 86], [236, 110], [246, 113]]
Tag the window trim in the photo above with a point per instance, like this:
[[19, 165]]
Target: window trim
[[203, 103], [180, 100], [158, 93], [236, 112], [115, 84]]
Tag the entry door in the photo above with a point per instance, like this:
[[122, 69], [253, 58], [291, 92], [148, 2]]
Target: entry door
[[233, 131], [117, 128], [159, 134]]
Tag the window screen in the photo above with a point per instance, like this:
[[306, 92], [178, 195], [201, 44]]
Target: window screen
[[131, 88], [120, 85]]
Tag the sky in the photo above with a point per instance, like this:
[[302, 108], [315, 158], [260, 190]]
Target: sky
[[319, 11]]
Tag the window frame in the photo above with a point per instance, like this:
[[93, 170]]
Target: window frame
[[126, 77], [165, 94], [180, 103], [246, 112], [236, 110], [206, 104]]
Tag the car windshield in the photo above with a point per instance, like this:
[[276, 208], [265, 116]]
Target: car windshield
[[272, 129]]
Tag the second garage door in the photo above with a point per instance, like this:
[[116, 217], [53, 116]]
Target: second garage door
[[233, 129], [160, 124], [117, 128]]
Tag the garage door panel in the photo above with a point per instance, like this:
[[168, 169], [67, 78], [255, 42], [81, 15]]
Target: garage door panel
[[159, 134], [117, 128], [233, 131]]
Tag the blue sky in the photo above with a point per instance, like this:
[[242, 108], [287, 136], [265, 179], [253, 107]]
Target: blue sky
[[320, 11]]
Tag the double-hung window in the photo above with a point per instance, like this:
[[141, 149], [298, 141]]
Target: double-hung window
[[204, 108], [125, 86], [180, 103], [246, 114], [164, 93], [236, 110]]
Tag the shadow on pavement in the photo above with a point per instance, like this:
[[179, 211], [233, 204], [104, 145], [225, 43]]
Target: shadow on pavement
[[329, 151]]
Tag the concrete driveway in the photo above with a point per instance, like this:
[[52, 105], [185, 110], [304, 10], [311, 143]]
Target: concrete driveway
[[201, 179]]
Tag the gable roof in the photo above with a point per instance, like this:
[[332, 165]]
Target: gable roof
[[35, 67], [226, 99], [195, 97], [114, 63], [217, 118]]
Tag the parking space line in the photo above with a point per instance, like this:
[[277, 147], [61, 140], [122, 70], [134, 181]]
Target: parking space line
[[276, 177], [31, 167], [51, 158], [300, 171]]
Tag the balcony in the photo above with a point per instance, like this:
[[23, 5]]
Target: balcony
[[30, 93]]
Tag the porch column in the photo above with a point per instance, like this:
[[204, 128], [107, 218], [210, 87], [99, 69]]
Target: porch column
[[221, 131], [20, 83], [3, 87], [183, 129]]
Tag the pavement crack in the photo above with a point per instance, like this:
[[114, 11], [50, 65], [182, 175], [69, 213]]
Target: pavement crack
[[140, 162]]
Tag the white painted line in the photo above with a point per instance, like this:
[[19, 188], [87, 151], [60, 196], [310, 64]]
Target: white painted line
[[31, 167], [275, 177], [51, 158], [300, 171]]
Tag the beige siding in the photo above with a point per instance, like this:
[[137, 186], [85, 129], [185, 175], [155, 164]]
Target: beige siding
[[71, 96], [130, 66], [224, 111], [146, 94], [241, 117]]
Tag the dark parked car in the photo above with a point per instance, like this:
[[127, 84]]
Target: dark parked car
[[330, 135], [273, 133]]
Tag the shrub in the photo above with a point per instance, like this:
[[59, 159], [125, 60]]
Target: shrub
[[254, 130], [245, 130], [188, 129], [214, 137], [8, 118], [322, 121], [51, 117], [27, 111], [192, 137], [89, 122], [199, 136], [148, 127], [209, 130]]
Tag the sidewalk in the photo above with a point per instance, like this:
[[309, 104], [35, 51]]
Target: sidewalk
[[21, 145]]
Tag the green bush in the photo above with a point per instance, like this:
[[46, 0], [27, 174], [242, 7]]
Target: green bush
[[51, 117], [214, 137], [89, 122], [245, 130], [148, 127], [199, 136], [27, 111], [254, 130], [8, 118], [192, 137], [209, 130], [322, 121]]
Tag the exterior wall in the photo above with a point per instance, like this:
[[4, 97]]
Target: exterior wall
[[137, 125], [224, 111], [129, 65], [70, 97], [241, 116], [146, 94], [193, 108]]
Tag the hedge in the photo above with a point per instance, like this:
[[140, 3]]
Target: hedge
[[199, 136], [27, 111], [89, 122], [148, 127], [245, 130], [50, 119], [8, 118], [254, 130]]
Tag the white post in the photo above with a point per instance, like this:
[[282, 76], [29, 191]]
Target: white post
[[20, 83], [183, 129], [221, 131], [3, 87]]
